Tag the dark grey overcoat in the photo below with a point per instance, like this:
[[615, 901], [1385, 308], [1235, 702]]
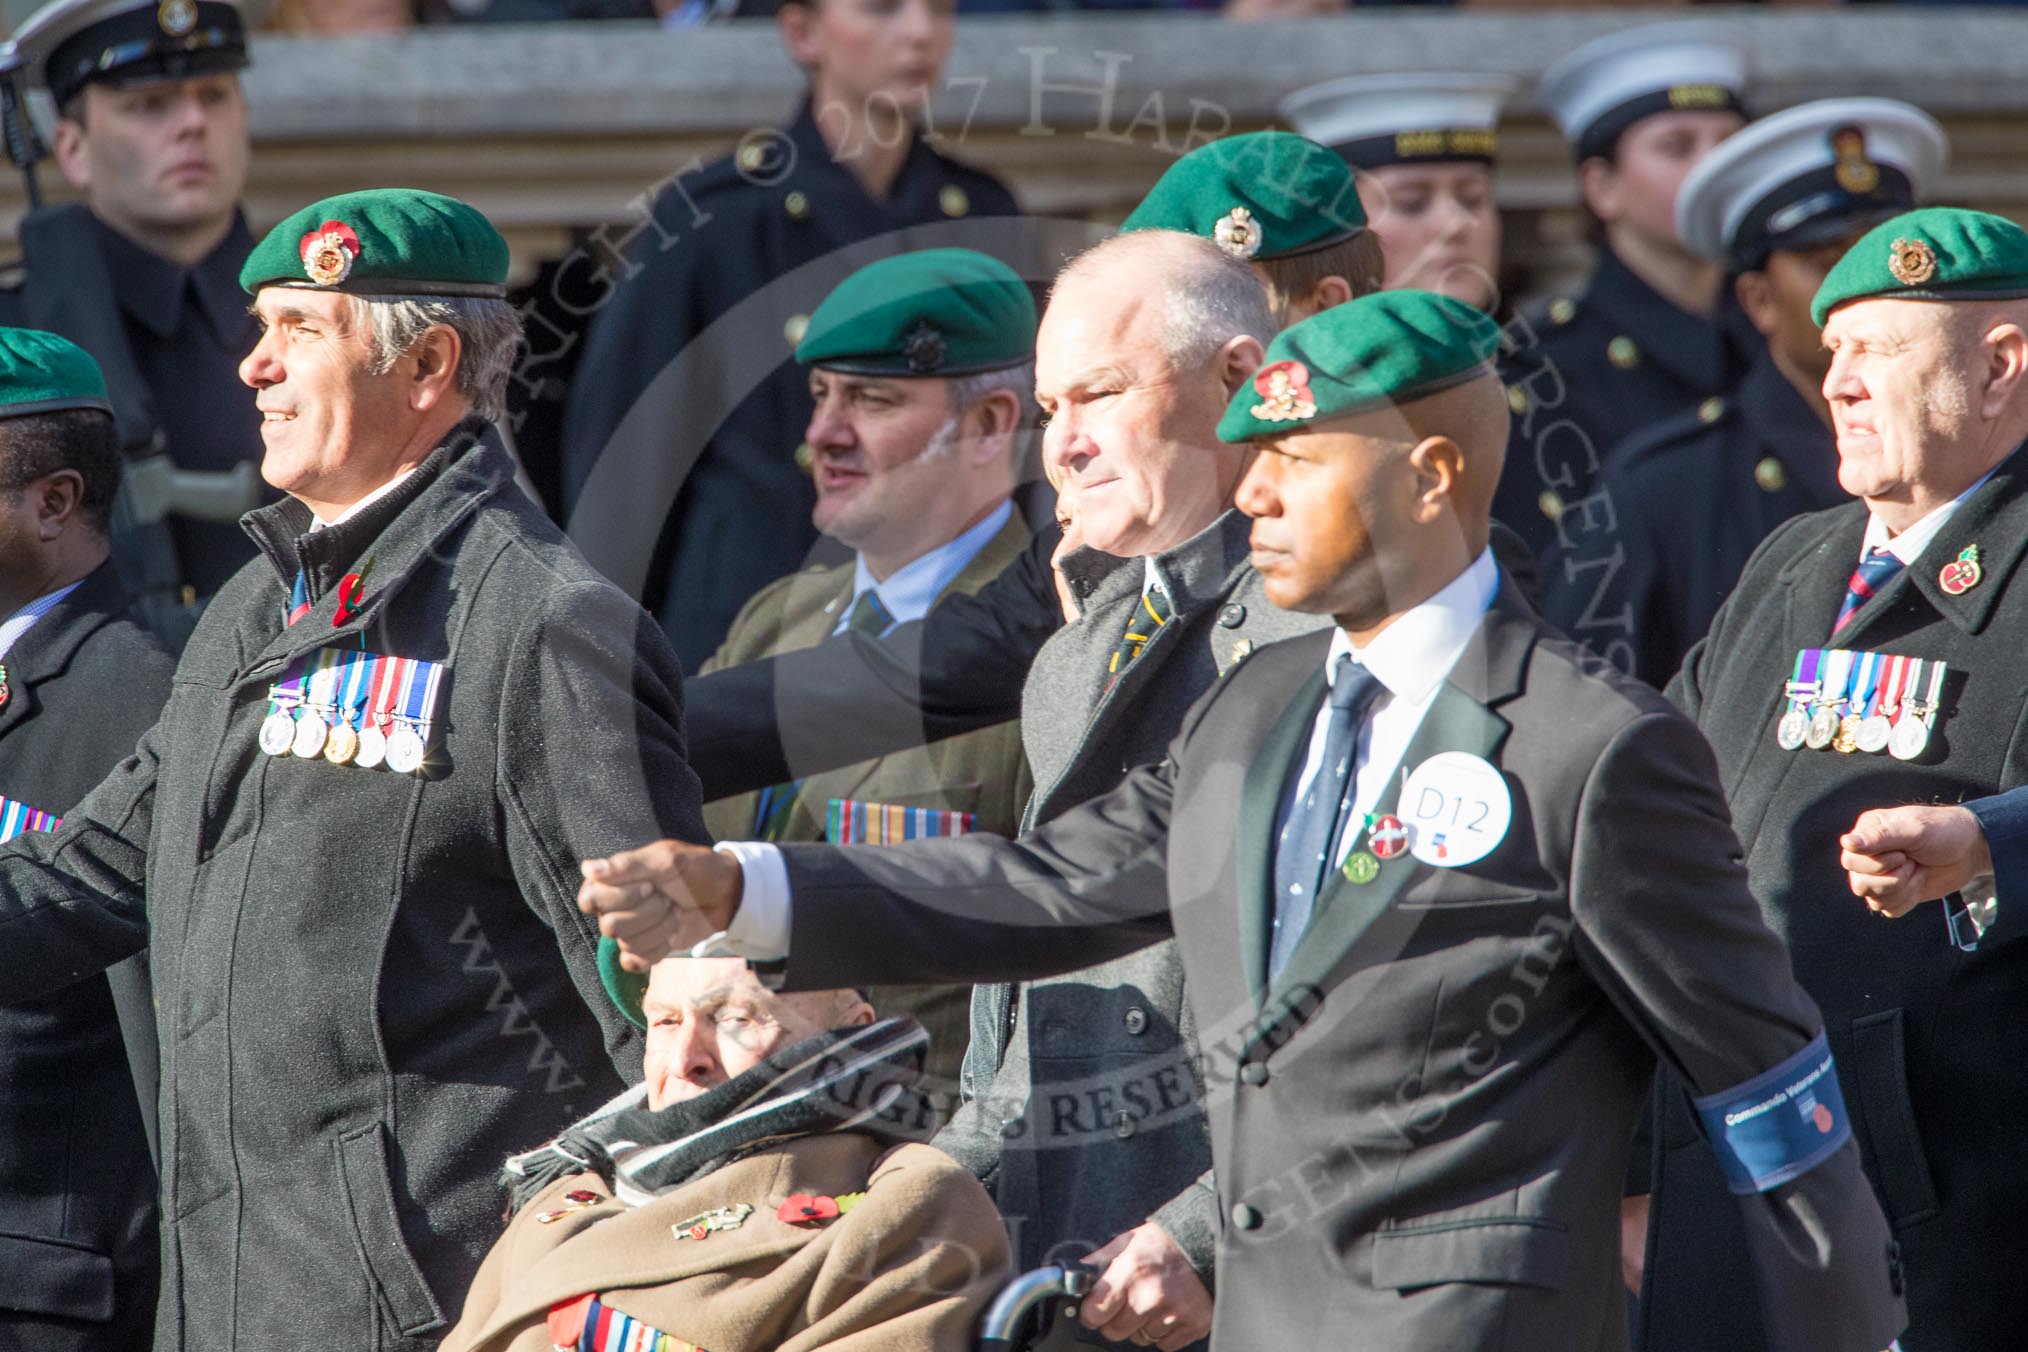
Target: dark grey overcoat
[[370, 985]]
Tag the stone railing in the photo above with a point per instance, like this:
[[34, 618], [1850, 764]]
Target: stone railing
[[553, 129]]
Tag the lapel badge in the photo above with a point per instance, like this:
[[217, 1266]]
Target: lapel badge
[[573, 1201], [1389, 838], [1361, 868], [802, 1208], [1856, 172], [6, 692], [1962, 573], [1284, 388], [1911, 261], [328, 253], [1237, 233], [718, 1218]]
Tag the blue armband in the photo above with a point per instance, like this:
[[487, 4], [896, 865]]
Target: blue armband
[[1780, 1124]]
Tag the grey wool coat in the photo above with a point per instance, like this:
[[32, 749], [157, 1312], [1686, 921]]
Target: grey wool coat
[[1082, 1107], [370, 985]]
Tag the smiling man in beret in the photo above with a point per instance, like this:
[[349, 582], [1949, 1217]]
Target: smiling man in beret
[[1440, 881], [357, 822], [1870, 656]]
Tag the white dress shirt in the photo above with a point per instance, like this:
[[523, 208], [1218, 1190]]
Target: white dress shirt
[[22, 620], [1909, 544], [1411, 658], [916, 585], [319, 523]]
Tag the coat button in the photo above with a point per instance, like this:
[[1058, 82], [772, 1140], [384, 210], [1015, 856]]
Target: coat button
[[1125, 1125], [1011, 1128], [1254, 1073], [1245, 1217], [1136, 1021], [1232, 616]]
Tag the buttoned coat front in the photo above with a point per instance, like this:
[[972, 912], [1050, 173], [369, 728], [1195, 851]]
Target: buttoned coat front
[[371, 985]]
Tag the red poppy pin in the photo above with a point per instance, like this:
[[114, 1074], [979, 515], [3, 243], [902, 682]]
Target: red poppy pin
[[329, 251], [351, 591], [1284, 388], [802, 1208], [1962, 573]]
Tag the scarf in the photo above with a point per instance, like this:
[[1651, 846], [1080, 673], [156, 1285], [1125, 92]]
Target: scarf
[[851, 1079]]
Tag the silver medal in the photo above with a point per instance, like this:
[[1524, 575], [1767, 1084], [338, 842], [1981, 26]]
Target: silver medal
[[278, 733], [311, 730], [1910, 738], [372, 748], [1791, 731], [1875, 733], [404, 751], [1823, 727]]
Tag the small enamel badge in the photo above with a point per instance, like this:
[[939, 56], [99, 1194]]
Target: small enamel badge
[[1238, 233], [706, 1222], [1962, 573], [1284, 388], [573, 1201], [328, 253], [1911, 261], [1389, 838]]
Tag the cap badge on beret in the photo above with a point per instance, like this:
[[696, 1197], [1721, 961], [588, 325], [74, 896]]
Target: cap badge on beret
[[1911, 261], [1856, 171], [328, 252], [1284, 388], [924, 348], [177, 17], [1237, 233]]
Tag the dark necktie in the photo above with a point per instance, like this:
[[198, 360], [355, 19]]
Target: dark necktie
[[775, 813], [1309, 838], [1150, 615], [1868, 578]]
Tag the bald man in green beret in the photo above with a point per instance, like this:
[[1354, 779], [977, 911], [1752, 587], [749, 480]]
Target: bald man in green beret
[[358, 819], [1443, 886], [921, 370], [1868, 659]]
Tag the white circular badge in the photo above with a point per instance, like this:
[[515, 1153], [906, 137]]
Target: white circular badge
[[1457, 808]]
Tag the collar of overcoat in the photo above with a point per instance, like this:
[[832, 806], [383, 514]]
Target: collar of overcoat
[[46, 649]]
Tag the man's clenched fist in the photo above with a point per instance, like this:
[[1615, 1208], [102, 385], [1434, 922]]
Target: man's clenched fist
[[660, 899], [1899, 857]]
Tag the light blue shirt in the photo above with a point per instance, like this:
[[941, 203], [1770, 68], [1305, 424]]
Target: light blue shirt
[[916, 585], [22, 620]]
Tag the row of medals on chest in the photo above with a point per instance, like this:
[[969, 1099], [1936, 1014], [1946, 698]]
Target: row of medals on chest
[[1846, 701], [300, 728]]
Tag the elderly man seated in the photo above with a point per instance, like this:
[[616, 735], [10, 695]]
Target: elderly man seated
[[765, 1188]]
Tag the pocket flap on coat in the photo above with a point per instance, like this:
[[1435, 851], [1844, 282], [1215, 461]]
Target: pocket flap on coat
[[369, 1195], [49, 1276], [1515, 1250]]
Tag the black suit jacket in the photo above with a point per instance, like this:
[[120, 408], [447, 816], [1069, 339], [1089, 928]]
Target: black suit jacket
[[77, 1191], [1420, 1130], [1936, 1092]]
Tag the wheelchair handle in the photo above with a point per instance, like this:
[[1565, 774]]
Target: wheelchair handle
[[1003, 1328]]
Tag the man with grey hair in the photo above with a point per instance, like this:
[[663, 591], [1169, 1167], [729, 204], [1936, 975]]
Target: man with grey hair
[[358, 821]]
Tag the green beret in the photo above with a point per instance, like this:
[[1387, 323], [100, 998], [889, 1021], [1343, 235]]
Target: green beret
[[1935, 253], [42, 373], [381, 242], [936, 312], [1392, 347], [624, 988], [1260, 196]]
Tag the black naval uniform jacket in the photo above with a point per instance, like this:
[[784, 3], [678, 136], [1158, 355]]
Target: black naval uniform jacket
[[170, 340], [370, 985], [1657, 545], [77, 1190], [1420, 1130], [1918, 1027], [690, 447], [1585, 373]]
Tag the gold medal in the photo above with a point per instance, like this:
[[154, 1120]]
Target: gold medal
[[1846, 739], [342, 745]]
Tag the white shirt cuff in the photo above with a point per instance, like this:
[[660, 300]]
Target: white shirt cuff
[[759, 931]]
